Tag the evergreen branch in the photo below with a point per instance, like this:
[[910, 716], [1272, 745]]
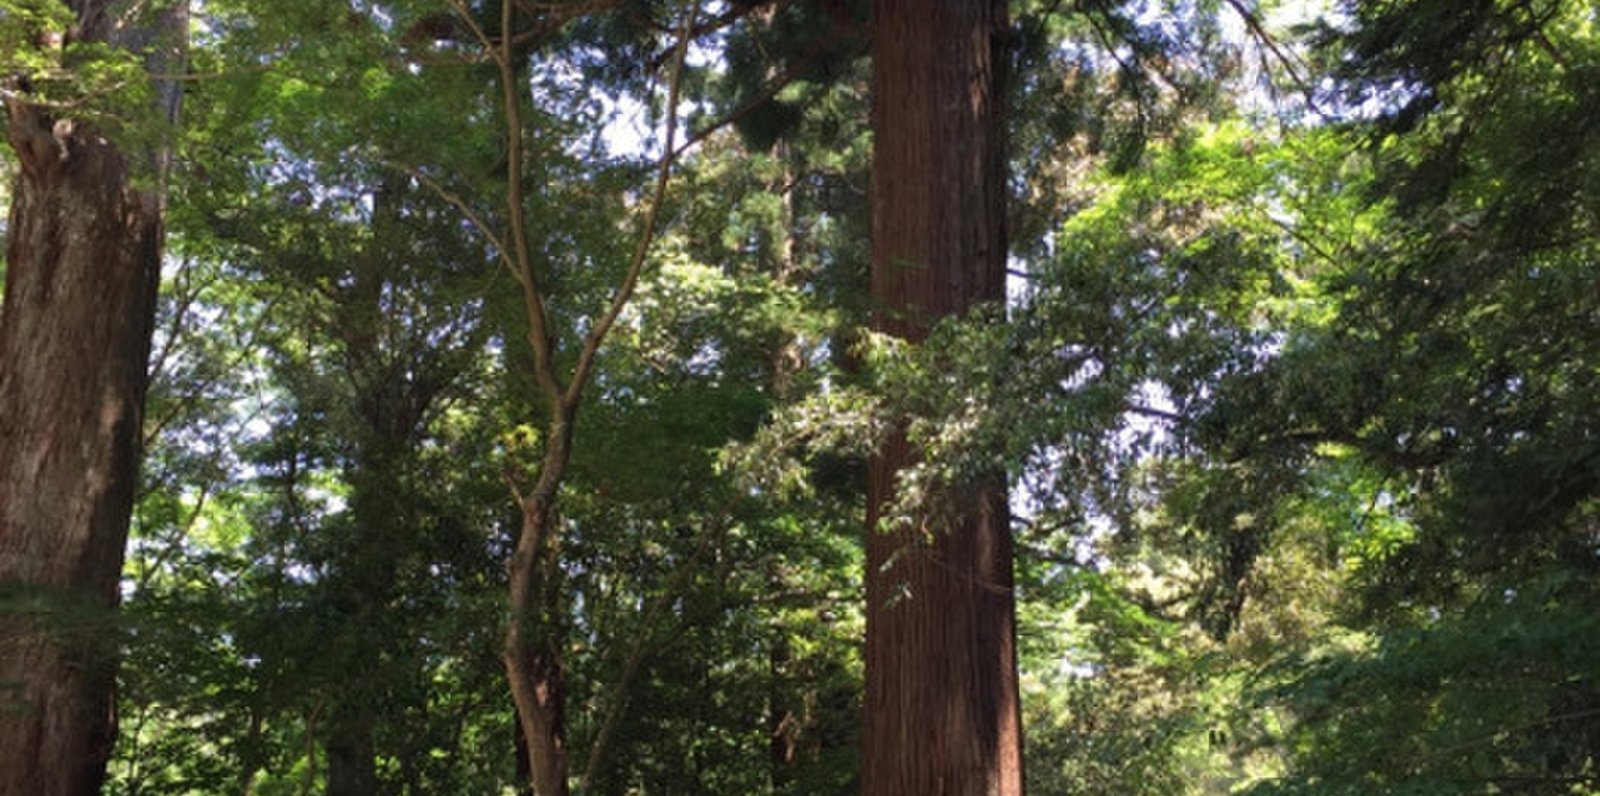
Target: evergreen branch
[[737, 12], [1134, 75], [558, 14], [1259, 32], [465, 14], [777, 84]]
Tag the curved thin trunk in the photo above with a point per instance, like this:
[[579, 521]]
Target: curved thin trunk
[[531, 650]]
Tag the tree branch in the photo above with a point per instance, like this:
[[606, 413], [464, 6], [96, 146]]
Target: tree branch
[[461, 10], [637, 651], [647, 232], [532, 298], [777, 84], [455, 200], [1266, 40]]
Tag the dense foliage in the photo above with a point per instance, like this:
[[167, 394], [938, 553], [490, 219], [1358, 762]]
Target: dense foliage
[[1296, 391]]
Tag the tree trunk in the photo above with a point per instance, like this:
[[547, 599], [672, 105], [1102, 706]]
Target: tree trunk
[[389, 412], [83, 265], [352, 757], [781, 720], [538, 689], [942, 712], [534, 631]]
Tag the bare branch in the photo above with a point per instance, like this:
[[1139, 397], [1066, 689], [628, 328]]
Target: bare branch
[[154, 428], [532, 298], [185, 300], [1142, 410], [196, 77], [455, 200], [652, 215]]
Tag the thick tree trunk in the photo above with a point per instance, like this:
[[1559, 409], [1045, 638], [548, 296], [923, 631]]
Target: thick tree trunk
[[352, 756], [83, 265], [942, 706]]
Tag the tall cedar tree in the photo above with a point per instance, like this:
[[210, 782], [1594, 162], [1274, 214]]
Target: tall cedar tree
[[83, 264], [942, 712]]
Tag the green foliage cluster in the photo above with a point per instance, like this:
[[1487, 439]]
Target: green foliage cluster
[[1301, 415]]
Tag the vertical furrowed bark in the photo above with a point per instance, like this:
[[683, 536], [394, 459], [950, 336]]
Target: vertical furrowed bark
[[83, 265], [942, 704]]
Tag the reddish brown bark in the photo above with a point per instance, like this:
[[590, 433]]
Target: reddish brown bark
[[942, 715], [83, 263]]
